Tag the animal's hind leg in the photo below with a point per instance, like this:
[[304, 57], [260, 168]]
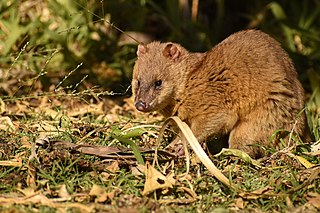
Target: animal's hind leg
[[246, 135], [254, 130], [257, 129]]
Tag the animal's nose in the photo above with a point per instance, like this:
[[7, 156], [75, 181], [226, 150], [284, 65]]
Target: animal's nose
[[141, 106]]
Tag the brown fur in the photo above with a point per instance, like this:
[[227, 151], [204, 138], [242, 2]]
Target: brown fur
[[245, 87]]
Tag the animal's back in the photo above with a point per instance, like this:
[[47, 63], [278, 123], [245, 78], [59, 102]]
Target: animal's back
[[246, 87]]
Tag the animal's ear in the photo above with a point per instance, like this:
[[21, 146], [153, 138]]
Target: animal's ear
[[171, 51], [142, 49]]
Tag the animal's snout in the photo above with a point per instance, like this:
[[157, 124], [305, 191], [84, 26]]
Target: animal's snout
[[141, 106]]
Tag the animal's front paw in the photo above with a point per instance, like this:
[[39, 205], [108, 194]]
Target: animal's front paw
[[176, 146]]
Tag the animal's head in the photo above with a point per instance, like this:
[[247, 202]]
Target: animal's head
[[157, 75]]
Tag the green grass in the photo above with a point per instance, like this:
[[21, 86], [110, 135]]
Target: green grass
[[79, 173], [62, 81]]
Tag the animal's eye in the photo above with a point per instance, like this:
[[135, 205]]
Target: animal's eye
[[157, 84], [138, 83]]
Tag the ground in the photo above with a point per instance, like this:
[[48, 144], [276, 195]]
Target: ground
[[62, 152]]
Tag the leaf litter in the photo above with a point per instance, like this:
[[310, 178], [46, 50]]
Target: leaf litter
[[71, 152]]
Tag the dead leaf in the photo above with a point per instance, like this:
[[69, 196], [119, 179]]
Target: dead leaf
[[31, 178], [53, 114], [171, 179], [194, 160], [25, 141], [22, 108], [102, 195], [316, 153], [63, 193], [6, 124], [114, 193], [13, 163], [33, 197], [96, 109], [189, 197], [113, 167], [138, 170], [315, 147], [154, 180], [239, 203], [314, 200], [28, 192], [46, 129], [99, 192], [305, 162], [188, 191], [103, 151], [264, 192], [2, 106], [289, 202], [34, 154], [233, 168]]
